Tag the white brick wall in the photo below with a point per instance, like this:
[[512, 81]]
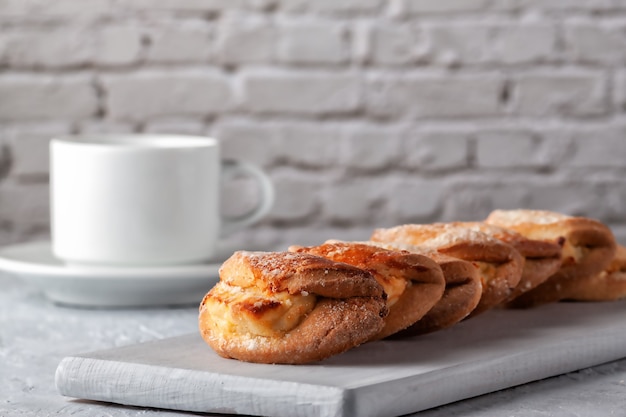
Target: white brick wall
[[29, 146], [189, 41], [301, 93], [364, 112], [367, 147], [312, 43], [436, 97], [245, 40], [148, 94], [589, 43], [393, 45], [568, 94], [35, 97], [436, 150]]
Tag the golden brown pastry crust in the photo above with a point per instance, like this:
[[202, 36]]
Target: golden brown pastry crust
[[460, 297], [349, 308], [588, 247], [500, 265], [422, 279], [608, 285], [541, 258]]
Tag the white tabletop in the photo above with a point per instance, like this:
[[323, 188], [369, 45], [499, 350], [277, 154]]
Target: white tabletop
[[36, 334]]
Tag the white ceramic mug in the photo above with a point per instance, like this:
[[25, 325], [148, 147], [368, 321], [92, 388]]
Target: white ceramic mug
[[139, 200]]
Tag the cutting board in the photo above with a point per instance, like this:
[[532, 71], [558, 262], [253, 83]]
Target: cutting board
[[496, 350]]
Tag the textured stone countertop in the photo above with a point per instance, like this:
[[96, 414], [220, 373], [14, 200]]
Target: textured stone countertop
[[36, 334]]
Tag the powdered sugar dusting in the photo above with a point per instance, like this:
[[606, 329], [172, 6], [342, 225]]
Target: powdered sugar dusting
[[515, 217], [453, 235], [250, 343], [421, 250], [273, 264], [497, 232], [434, 236]]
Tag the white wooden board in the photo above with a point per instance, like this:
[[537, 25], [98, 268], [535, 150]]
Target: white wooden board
[[496, 350]]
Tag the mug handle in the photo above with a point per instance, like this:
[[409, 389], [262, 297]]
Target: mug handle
[[231, 167]]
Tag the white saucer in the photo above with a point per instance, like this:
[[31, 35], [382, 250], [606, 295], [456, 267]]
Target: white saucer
[[107, 286]]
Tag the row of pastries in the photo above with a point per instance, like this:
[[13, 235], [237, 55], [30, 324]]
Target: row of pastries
[[312, 302]]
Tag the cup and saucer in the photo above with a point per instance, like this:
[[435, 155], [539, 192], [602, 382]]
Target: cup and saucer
[[109, 286], [135, 221]]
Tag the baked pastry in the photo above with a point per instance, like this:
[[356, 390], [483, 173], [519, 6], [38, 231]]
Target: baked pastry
[[413, 283], [608, 285], [499, 264], [282, 307], [460, 297], [541, 258], [588, 248]]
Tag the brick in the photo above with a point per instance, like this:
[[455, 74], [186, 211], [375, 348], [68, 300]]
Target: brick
[[6, 158], [301, 93], [458, 44], [395, 45], [6, 231], [262, 5], [371, 147], [309, 145], [331, 6], [296, 196], [515, 6], [352, 201], [184, 5], [473, 201], [74, 8], [33, 9], [436, 150], [312, 43], [515, 44], [117, 45], [506, 149], [619, 94], [71, 47], [566, 94], [360, 39], [571, 198], [601, 147], [418, 7], [26, 208], [434, 96], [530, 149], [245, 41], [590, 43], [46, 48], [251, 141], [188, 41], [567, 5], [4, 41], [176, 127], [556, 146], [26, 97], [612, 204], [415, 200], [146, 94], [453, 44], [30, 146], [105, 126], [13, 8]]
